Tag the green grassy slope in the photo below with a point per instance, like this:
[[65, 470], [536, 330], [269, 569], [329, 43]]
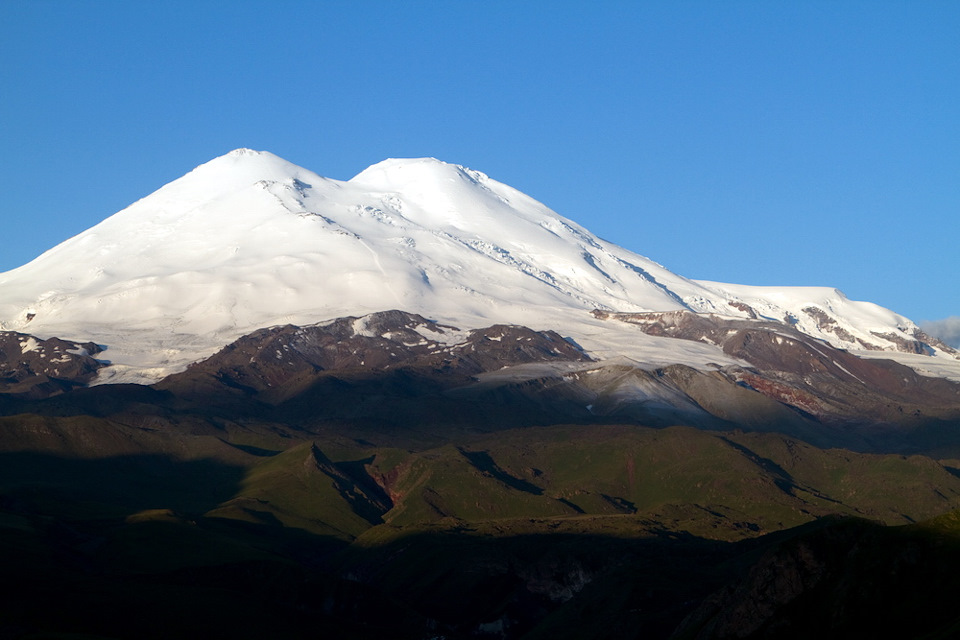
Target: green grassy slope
[[243, 528]]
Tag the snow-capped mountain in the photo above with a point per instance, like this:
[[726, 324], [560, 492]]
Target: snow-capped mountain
[[249, 240]]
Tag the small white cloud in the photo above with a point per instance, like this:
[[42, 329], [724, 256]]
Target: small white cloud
[[947, 330]]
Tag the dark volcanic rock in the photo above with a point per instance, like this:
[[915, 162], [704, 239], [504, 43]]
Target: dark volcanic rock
[[291, 357], [35, 368], [809, 375]]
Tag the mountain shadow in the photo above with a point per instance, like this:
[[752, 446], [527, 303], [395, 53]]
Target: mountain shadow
[[845, 578], [482, 461], [117, 486]]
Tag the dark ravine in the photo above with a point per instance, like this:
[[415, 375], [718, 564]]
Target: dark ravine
[[388, 476]]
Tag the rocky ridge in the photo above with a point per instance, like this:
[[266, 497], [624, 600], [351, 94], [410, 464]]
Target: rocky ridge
[[35, 367]]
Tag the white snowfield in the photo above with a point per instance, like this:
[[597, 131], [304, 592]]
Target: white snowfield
[[249, 240]]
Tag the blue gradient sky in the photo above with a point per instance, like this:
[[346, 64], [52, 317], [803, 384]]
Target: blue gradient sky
[[791, 143]]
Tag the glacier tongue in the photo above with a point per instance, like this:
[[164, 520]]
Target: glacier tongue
[[249, 240]]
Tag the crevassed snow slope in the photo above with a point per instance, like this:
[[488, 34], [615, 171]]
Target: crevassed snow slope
[[250, 240]]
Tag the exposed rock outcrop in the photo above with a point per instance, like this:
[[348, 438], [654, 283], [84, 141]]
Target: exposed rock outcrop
[[816, 379], [35, 368]]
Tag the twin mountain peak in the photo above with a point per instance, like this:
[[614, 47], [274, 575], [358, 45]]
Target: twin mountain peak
[[249, 240]]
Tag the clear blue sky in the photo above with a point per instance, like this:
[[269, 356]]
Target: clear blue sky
[[791, 143]]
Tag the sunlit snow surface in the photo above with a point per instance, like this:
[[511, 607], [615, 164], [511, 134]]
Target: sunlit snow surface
[[250, 240]]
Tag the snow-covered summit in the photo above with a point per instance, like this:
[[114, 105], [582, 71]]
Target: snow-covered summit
[[399, 173], [249, 240]]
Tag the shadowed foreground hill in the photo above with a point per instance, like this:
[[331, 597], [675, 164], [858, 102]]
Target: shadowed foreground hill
[[577, 532], [852, 578]]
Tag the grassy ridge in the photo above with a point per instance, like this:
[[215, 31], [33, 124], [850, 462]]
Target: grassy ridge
[[766, 480]]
